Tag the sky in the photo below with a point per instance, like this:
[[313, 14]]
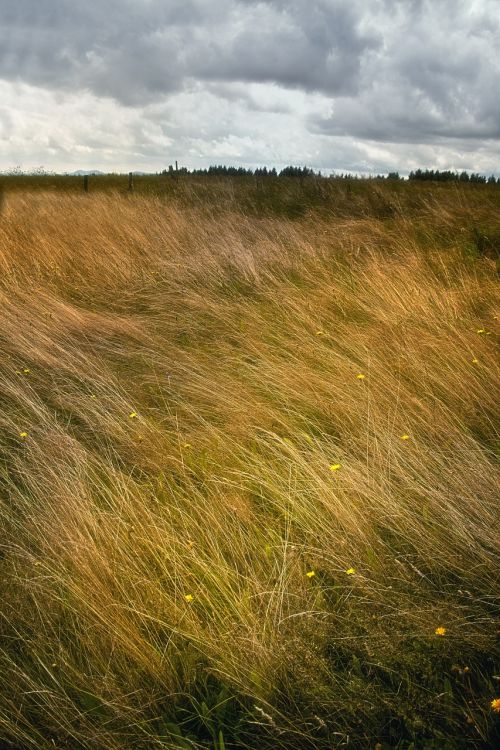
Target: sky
[[366, 86]]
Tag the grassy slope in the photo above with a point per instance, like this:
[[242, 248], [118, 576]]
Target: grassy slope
[[186, 376]]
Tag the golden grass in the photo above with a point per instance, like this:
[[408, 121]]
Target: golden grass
[[187, 380]]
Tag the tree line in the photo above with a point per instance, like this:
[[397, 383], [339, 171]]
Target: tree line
[[429, 175], [435, 175], [221, 170]]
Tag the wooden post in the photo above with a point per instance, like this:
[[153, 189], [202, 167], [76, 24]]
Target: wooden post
[[86, 183], [130, 182], [176, 167]]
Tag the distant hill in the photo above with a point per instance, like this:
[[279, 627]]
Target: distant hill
[[82, 172]]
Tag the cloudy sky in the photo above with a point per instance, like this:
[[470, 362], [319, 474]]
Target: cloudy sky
[[358, 85]]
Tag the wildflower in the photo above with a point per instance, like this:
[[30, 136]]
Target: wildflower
[[26, 371], [320, 333], [360, 376], [311, 573], [23, 435], [495, 704], [480, 330], [133, 415], [350, 571], [335, 467], [92, 395], [405, 437], [440, 631], [186, 445], [189, 598], [475, 361], [190, 544]]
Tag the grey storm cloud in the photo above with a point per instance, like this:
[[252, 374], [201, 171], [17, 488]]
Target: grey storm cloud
[[435, 78], [136, 50], [386, 71], [314, 46]]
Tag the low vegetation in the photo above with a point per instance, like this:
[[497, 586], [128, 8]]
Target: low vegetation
[[249, 467]]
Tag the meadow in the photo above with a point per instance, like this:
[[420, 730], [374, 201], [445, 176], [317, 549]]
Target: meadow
[[248, 465]]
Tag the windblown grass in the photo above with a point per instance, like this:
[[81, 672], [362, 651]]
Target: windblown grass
[[215, 534]]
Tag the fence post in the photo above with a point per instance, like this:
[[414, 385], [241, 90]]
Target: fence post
[[130, 182], [86, 183]]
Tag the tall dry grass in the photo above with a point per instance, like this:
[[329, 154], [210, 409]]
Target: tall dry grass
[[214, 534]]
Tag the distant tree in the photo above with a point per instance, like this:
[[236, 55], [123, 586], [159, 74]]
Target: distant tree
[[221, 170], [297, 172], [447, 176]]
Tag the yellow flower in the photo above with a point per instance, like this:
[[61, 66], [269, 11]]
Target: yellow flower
[[475, 361], [190, 544], [189, 598], [360, 376], [440, 631], [495, 704], [26, 370], [405, 437], [92, 395], [480, 330], [335, 467], [311, 573], [23, 435], [186, 445], [319, 333], [350, 571], [133, 415]]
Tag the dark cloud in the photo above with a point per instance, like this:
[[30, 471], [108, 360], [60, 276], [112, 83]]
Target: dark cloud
[[434, 79], [134, 51], [315, 46], [126, 49]]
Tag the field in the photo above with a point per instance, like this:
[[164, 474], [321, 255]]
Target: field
[[248, 465]]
